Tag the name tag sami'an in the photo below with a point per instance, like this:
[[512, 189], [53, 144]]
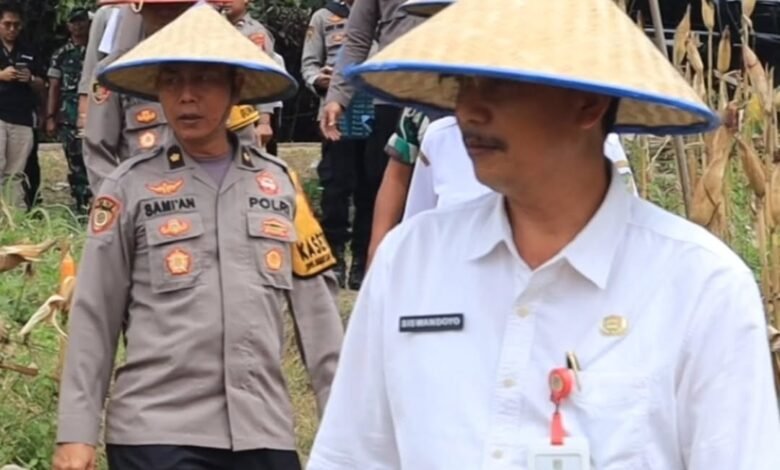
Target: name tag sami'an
[[431, 323]]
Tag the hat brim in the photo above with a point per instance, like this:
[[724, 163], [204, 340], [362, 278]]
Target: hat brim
[[431, 80], [425, 8], [139, 78]]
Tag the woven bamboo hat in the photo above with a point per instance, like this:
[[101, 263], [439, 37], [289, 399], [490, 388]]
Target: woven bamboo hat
[[589, 45], [199, 35], [425, 7]]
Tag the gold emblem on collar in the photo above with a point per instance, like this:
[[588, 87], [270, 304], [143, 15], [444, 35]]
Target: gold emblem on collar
[[614, 325]]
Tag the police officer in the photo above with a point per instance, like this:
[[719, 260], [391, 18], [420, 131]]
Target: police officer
[[190, 257], [62, 106], [342, 167], [120, 126]]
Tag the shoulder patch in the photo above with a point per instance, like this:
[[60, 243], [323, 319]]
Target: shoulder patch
[[105, 211], [100, 94]]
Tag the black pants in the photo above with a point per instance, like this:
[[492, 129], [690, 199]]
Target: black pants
[[343, 179], [32, 176], [355, 168], [160, 457]]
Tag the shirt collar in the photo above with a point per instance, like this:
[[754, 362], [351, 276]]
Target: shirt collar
[[591, 252]]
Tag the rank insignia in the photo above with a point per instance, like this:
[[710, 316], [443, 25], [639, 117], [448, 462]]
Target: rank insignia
[[105, 211], [178, 262], [614, 325], [267, 183], [175, 161], [246, 159], [147, 140], [309, 32], [145, 116], [166, 188], [175, 227], [274, 260], [276, 228], [99, 93]]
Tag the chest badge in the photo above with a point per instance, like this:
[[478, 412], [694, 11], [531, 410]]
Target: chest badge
[[145, 116], [276, 228], [274, 260], [267, 183], [147, 140], [166, 187], [175, 227], [614, 325], [179, 262]]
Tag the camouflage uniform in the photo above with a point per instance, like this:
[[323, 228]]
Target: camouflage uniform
[[66, 65]]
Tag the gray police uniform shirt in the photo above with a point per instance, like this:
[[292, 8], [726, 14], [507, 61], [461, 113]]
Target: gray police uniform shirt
[[196, 277], [380, 21], [325, 36]]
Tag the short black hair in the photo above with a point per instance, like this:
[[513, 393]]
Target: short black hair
[[10, 6], [610, 117]]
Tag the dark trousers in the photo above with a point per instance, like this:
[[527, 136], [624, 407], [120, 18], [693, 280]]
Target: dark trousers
[[77, 171], [342, 176], [32, 176], [353, 168], [162, 457]]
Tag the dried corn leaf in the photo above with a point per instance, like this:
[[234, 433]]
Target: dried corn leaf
[[708, 15], [754, 168], [724, 51], [774, 338], [48, 312], [699, 86], [758, 78], [681, 35], [694, 57], [14, 255], [774, 195], [707, 208]]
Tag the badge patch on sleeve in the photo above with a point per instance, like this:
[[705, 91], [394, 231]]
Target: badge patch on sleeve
[[99, 93], [166, 188], [105, 211], [431, 323], [178, 262]]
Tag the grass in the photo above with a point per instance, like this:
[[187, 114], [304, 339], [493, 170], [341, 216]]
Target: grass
[[28, 404]]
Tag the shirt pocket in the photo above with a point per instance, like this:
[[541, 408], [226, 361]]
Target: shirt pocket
[[613, 411], [176, 259], [144, 125], [271, 238]]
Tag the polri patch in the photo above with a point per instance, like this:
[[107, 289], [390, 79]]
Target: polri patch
[[105, 211], [431, 323]]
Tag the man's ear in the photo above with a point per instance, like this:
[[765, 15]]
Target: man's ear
[[592, 108], [238, 84]]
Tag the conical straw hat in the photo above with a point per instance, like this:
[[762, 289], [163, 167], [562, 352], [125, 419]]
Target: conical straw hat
[[199, 35], [425, 7], [589, 45]]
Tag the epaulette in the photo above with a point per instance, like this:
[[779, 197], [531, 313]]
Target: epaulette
[[128, 164]]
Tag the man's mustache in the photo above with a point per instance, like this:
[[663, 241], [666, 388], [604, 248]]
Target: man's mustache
[[477, 139]]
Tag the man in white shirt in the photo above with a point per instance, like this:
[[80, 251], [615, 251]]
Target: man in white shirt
[[560, 322], [444, 175]]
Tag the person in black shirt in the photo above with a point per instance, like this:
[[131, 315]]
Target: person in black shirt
[[19, 77]]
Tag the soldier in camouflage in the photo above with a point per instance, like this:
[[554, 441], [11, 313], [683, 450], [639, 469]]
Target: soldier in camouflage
[[63, 103]]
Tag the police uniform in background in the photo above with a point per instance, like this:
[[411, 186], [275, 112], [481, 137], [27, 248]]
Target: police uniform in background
[[120, 126], [195, 274], [102, 19], [341, 169]]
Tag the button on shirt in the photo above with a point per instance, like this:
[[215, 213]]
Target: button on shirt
[[687, 386]]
